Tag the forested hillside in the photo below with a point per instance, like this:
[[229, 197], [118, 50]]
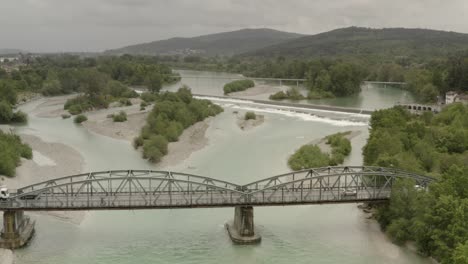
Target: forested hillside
[[222, 44], [379, 43]]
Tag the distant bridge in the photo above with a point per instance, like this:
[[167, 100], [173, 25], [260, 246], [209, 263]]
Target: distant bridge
[[280, 80], [144, 189], [384, 83]]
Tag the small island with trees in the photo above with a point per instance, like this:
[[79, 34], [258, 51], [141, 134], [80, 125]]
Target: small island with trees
[[237, 86], [171, 114], [330, 151]]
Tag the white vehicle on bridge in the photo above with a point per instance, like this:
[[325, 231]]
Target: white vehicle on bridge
[[349, 192], [4, 194]]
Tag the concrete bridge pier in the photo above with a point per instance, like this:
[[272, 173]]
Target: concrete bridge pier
[[242, 230], [17, 229]]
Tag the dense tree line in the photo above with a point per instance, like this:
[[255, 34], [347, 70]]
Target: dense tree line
[[237, 86], [426, 77], [437, 145], [100, 80], [171, 115], [291, 94], [311, 156], [11, 152]]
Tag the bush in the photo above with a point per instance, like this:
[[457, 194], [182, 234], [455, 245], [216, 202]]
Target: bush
[[250, 115], [80, 119], [82, 104], [148, 97], [19, 117], [291, 94], [75, 110], [239, 85], [11, 152], [66, 116], [278, 96], [120, 117], [6, 113], [138, 142], [143, 104], [125, 102], [308, 156]]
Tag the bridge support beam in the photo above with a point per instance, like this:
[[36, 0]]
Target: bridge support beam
[[241, 230], [17, 229]]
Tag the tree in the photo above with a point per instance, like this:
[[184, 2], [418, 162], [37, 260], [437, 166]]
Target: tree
[[460, 255], [6, 113], [154, 82], [92, 82]]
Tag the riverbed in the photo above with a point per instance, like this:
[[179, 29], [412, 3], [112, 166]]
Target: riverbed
[[291, 234]]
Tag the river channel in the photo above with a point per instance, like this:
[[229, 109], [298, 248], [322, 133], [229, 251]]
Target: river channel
[[291, 234]]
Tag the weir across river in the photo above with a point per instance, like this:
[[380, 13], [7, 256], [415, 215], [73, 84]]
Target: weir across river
[[144, 189]]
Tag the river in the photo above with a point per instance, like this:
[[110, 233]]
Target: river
[[291, 234]]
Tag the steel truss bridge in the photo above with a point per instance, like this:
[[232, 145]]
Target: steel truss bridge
[[144, 189]]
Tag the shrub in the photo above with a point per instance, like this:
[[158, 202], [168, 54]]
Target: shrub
[[80, 119], [120, 117], [239, 85], [138, 142], [12, 150], [291, 94], [6, 113], [308, 156], [144, 104], [75, 110], [19, 117], [148, 97], [125, 102], [250, 115], [65, 116], [278, 96]]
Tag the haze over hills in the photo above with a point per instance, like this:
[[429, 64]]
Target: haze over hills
[[356, 41], [226, 43], [10, 51]]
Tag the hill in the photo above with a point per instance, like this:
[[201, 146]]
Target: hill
[[226, 43], [356, 41], [11, 51]]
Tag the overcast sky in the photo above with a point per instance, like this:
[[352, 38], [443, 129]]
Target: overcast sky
[[96, 25]]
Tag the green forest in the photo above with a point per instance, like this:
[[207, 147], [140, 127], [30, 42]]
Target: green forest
[[426, 77], [97, 81], [171, 115], [435, 145]]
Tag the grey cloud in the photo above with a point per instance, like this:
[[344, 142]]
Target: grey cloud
[[93, 25]]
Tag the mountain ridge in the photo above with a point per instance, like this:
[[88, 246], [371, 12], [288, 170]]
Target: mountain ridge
[[352, 41], [224, 43]]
